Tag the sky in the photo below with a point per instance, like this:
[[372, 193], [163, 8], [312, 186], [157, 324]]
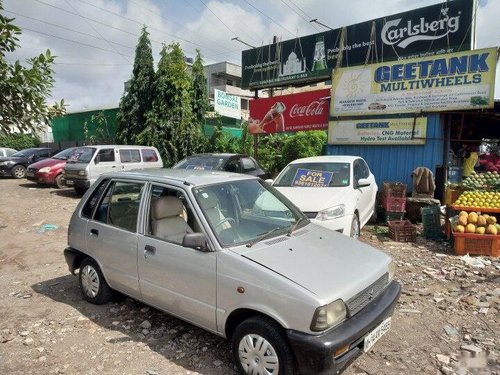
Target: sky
[[94, 40]]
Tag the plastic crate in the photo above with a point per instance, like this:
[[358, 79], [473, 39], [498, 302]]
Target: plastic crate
[[387, 216], [476, 244], [402, 231], [394, 189], [394, 204], [431, 222]]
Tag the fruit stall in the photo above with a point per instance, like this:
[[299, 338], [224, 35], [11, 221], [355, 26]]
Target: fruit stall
[[475, 230]]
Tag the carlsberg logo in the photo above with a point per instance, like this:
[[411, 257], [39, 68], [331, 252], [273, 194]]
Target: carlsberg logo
[[424, 30]]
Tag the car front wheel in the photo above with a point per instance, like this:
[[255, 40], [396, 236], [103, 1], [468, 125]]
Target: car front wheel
[[259, 347], [19, 171], [60, 181], [355, 227], [93, 286]]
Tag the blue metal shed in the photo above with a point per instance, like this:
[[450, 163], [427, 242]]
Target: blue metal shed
[[397, 162]]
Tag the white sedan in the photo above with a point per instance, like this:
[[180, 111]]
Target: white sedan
[[337, 192]]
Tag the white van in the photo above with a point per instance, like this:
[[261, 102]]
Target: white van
[[90, 162]]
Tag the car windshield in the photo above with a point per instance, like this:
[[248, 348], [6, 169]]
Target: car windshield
[[247, 211], [65, 154], [314, 175], [24, 153], [205, 162], [82, 155]]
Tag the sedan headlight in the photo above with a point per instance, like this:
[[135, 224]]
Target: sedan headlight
[[331, 213], [82, 173], [391, 270], [328, 316], [44, 170]]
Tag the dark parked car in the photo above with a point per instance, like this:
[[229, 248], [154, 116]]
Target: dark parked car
[[15, 165], [49, 171], [223, 162]]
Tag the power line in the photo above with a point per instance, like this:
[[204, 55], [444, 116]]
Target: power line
[[270, 18], [298, 14]]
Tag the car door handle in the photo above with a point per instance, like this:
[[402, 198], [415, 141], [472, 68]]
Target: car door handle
[[148, 249], [95, 232]]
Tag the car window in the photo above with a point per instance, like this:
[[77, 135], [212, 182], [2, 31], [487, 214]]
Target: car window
[[248, 165], [233, 166], [314, 174], [25, 153], [82, 155], [171, 216], [91, 203], [43, 153], [360, 170], [202, 162], [149, 155], [130, 156], [9, 152], [65, 154], [106, 154], [120, 205]]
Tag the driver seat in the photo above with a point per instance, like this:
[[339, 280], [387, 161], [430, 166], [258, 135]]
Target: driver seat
[[210, 205], [166, 219]]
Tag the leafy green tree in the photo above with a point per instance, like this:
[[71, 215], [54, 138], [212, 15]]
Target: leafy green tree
[[200, 90], [169, 125], [137, 99], [19, 141], [97, 131], [24, 89]]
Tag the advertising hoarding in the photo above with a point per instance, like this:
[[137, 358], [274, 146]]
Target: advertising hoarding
[[227, 105], [406, 131], [458, 81], [289, 113], [435, 29]]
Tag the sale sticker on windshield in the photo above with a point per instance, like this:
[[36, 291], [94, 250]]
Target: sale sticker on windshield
[[312, 178]]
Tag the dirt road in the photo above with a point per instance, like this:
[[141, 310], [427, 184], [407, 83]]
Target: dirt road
[[449, 309]]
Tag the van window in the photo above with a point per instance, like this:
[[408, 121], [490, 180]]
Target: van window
[[106, 154], [149, 155], [130, 156]]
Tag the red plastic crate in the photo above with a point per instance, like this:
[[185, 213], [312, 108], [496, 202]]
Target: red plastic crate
[[402, 231], [394, 204], [394, 189]]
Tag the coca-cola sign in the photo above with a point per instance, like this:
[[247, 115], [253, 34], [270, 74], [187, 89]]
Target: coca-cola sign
[[290, 113]]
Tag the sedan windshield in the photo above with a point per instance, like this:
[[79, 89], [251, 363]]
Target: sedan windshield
[[205, 162], [24, 153], [247, 211], [314, 175], [64, 155], [82, 155]]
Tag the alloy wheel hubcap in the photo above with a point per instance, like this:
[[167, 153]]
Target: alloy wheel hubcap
[[90, 281], [19, 172], [257, 355], [355, 229]]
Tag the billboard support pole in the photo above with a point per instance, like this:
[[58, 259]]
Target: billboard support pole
[[255, 136]]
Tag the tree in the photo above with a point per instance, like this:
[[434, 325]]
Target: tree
[[137, 99], [200, 90], [97, 131], [169, 124], [24, 89]]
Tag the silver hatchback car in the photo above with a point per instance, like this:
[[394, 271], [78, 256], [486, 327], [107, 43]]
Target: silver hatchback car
[[288, 294]]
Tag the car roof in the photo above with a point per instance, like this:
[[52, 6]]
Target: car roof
[[217, 155], [327, 158], [118, 146], [181, 176]]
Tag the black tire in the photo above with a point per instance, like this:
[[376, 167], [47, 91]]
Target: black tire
[[19, 171], [59, 181], [277, 351], [80, 190], [93, 286], [355, 227]]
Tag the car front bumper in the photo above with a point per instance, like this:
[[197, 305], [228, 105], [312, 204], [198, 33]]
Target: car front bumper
[[6, 170], [340, 224], [78, 183], [41, 178], [315, 354]]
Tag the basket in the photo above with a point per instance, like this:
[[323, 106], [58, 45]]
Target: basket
[[431, 222], [476, 244], [402, 231], [387, 216], [394, 189], [394, 204]]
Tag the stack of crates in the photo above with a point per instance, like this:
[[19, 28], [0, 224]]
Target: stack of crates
[[394, 201]]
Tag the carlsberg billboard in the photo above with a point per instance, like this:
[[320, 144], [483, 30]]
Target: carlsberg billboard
[[436, 29]]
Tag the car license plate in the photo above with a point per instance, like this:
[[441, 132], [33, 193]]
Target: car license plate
[[377, 333], [70, 182], [30, 174]]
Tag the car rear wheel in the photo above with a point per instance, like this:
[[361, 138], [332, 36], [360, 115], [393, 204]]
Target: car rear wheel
[[93, 286], [60, 181], [259, 347], [19, 171], [355, 227]]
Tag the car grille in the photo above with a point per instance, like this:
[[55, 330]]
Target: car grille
[[360, 300], [310, 215], [70, 173]]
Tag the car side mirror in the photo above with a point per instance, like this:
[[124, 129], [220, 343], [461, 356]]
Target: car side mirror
[[196, 241], [97, 159], [362, 182], [269, 181]]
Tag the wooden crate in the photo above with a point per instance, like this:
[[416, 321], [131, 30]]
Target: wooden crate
[[402, 231], [476, 244]]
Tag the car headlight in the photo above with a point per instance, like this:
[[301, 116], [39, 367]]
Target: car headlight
[[328, 316], [82, 173], [391, 270], [331, 213], [44, 170]]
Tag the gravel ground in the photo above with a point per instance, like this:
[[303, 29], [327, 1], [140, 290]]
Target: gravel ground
[[447, 317]]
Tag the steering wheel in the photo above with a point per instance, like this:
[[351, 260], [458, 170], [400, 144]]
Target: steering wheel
[[229, 220]]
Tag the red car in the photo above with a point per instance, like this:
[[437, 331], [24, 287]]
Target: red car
[[49, 171]]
